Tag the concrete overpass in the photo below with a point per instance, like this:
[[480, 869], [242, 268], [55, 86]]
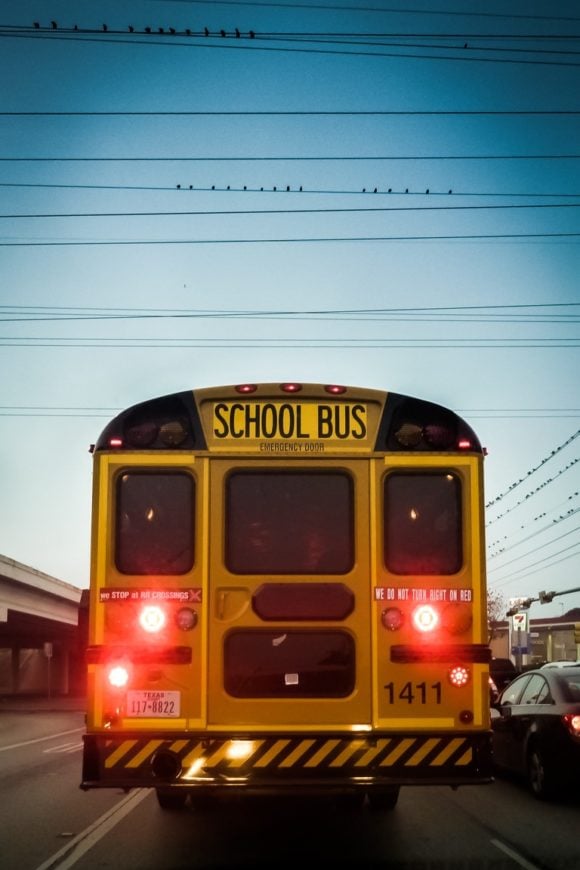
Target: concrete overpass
[[41, 632]]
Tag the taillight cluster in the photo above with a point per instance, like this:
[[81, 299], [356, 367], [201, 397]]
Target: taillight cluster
[[153, 619], [572, 723], [139, 625], [433, 625], [454, 619]]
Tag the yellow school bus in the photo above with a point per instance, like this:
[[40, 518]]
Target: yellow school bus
[[287, 594]]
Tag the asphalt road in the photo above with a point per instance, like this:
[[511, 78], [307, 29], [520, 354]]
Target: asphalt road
[[47, 823]]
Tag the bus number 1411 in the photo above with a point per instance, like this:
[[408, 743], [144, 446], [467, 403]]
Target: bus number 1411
[[414, 693]]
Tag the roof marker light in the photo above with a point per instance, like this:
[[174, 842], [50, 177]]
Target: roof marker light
[[291, 388], [464, 444], [115, 442], [335, 389], [246, 388]]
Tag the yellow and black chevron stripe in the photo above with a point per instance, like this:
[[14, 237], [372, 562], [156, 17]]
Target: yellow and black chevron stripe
[[441, 757]]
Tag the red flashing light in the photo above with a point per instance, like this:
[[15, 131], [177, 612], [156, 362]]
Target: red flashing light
[[291, 388], [246, 388], [335, 389], [425, 618], [152, 618], [118, 676]]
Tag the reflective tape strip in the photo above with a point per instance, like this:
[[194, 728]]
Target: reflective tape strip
[[145, 753], [302, 747], [424, 750], [372, 753], [349, 750], [466, 758], [397, 752], [276, 749], [244, 759], [218, 755], [192, 756], [321, 754], [448, 751], [119, 752], [358, 754]]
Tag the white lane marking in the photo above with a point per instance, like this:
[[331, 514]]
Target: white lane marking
[[515, 856], [63, 747], [40, 739], [75, 849]]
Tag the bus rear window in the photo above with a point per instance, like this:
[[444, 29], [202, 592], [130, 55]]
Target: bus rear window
[[422, 525], [289, 664], [289, 523], [154, 523]]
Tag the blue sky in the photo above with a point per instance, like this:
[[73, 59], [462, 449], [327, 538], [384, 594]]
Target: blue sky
[[460, 295]]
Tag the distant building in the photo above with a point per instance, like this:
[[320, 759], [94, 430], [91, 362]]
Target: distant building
[[547, 639]]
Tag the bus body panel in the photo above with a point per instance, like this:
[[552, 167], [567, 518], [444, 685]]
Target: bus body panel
[[287, 591]]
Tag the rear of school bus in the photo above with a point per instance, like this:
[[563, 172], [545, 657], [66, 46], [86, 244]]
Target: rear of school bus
[[287, 593]]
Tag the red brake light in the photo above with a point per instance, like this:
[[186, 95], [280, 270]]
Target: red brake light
[[572, 723], [118, 676], [392, 619]]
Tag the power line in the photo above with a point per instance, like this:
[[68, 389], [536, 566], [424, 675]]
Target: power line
[[289, 211], [272, 113], [299, 190], [268, 343], [379, 9], [471, 237], [292, 159], [542, 462], [172, 37], [82, 411]]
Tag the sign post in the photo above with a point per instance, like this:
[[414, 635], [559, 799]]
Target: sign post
[[48, 655], [520, 623]]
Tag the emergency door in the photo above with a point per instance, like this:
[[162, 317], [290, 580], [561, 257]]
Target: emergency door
[[289, 595]]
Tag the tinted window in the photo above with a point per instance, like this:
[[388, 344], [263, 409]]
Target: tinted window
[[511, 695], [289, 664], [154, 523], [536, 692], [422, 533], [571, 686], [289, 523]]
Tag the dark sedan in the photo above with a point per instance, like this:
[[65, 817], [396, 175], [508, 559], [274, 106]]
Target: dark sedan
[[536, 729]]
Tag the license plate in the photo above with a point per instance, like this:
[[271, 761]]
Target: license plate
[[153, 704]]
